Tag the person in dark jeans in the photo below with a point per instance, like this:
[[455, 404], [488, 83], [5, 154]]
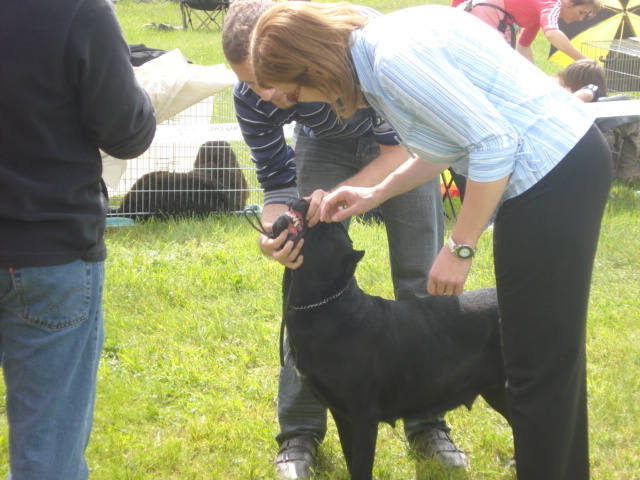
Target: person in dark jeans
[[68, 91]]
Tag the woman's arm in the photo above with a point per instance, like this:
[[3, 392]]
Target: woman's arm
[[348, 201], [449, 273], [526, 52], [391, 157], [558, 39]]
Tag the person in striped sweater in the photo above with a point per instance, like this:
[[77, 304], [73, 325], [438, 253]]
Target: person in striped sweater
[[327, 152]]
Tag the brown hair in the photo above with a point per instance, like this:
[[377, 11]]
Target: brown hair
[[582, 73], [308, 43], [238, 25], [595, 5]]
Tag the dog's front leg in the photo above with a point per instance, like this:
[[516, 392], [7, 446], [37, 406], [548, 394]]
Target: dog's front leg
[[358, 438]]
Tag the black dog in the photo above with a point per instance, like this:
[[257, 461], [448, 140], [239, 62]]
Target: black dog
[[217, 162], [215, 185], [371, 360]]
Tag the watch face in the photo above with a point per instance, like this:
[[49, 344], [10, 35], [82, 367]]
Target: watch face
[[465, 252]]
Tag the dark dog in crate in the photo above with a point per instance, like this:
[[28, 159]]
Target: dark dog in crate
[[215, 185], [369, 359]]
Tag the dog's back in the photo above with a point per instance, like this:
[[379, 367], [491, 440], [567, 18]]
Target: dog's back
[[413, 357]]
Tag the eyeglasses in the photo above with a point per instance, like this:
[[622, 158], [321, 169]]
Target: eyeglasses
[[293, 97]]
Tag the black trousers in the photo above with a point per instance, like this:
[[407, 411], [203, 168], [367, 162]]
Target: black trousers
[[545, 242]]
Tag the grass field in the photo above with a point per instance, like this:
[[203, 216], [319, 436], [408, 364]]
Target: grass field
[[188, 380]]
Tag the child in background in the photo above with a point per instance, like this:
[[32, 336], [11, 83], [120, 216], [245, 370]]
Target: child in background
[[586, 79]]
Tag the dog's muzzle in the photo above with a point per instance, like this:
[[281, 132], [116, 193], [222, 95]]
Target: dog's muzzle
[[294, 221]]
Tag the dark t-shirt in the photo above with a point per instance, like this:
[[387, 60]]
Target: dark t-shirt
[[67, 90]]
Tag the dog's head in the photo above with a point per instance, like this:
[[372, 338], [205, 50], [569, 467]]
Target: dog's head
[[215, 154], [328, 250], [294, 221]]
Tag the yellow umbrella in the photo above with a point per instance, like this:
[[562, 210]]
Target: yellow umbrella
[[618, 19]]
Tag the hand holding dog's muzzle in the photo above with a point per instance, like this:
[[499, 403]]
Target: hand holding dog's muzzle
[[283, 242], [285, 252]]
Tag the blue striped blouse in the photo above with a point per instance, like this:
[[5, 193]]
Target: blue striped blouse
[[456, 93]]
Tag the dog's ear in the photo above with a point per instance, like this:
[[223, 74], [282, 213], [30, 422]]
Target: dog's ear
[[299, 205], [351, 262], [356, 255]]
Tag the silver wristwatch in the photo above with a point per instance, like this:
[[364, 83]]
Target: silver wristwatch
[[462, 251]]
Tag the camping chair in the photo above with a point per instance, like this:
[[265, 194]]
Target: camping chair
[[451, 185], [204, 13]]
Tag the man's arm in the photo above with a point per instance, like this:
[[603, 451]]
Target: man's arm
[[116, 113], [285, 253], [261, 124]]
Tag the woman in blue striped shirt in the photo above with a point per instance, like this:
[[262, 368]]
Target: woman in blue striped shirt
[[458, 95]]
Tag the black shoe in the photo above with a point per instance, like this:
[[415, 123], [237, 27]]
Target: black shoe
[[297, 457], [439, 445]]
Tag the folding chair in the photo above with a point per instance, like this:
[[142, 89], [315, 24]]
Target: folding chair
[[451, 185], [204, 13]]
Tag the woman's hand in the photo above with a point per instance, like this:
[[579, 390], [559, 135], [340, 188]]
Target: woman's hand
[[346, 202], [315, 204], [448, 273]]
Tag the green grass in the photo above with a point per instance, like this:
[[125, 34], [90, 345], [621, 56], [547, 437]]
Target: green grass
[[188, 379], [189, 372]]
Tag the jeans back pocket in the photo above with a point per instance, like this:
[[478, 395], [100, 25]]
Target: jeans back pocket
[[55, 297]]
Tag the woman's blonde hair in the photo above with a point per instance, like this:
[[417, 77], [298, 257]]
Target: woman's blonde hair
[[584, 72], [307, 43]]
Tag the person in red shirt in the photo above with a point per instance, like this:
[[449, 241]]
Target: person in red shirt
[[530, 16]]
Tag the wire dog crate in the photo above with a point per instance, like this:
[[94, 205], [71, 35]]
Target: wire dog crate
[[197, 164], [621, 62]]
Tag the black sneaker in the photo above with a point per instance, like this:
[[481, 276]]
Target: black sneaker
[[439, 445], [297, 458]]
